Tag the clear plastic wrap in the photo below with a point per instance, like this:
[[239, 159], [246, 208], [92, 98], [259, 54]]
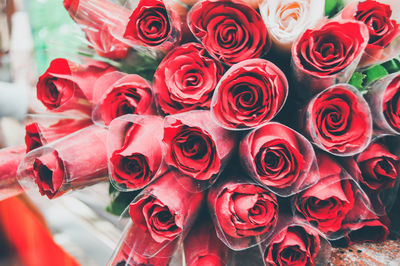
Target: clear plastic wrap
[[10, 158]]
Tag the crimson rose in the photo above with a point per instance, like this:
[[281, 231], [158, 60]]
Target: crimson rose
[[391, 103]]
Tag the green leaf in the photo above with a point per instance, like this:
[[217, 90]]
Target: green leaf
[[374, 73], [332, 7], [357, 80], [392, 65], [119, 200]]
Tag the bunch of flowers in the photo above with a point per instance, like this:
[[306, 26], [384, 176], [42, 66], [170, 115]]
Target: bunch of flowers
[[238, 124]]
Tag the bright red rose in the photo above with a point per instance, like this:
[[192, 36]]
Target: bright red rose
[[69, 86], [195, 145], [294, 245], [339, 121], [186, 78], [230, 30], [249, 94], [10, 158], [97, 18], [117, 94], [391, 104]]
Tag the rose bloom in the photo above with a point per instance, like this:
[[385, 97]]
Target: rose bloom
[[186, 78], [243, 210], [118, 94], [339, 121], [230, 30], [249, 94], [294, 245], [391, 104]]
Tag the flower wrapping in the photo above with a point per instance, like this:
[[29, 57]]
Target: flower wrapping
[[10, 158]]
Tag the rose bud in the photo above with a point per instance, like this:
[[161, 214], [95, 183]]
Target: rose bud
[[279, 158], [186, 78], [244, 214], [163, 213], [117, 94], [296, 244], [328, 55], [287, 19], [96, 18], [196, 146], [64, 165], [10, 158], [68, 86], [338, 120], [336, 200], [155, 24], [383, 31], [202, 246], [249, 94], [230, 30], [383, 98], [38, 134], [134, 145]]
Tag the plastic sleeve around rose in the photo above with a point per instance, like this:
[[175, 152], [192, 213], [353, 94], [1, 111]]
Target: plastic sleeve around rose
[[287, 19], [384, 41], [41, 130], [280, 159], [249, 95], [117, 94], [10, 158], [382, 97], [197, 147], [335, 201], [96, 19], [73, 162], [68, 86], [300, 242], [338, 120], [162, 214], [244, 214], [202, 246], [124, 255], [135, 152], [313, 72]]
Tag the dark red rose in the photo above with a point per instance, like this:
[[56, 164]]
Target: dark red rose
[[327, 203], [339, 121], [38, 135], [294, 245], [277, 156], [391, 104], [97, 18], [243, 210], [69, 86], [10, 158], [195, 145], [186, 78], [118, 94], [136, 162], [230, 30], [249, 94]]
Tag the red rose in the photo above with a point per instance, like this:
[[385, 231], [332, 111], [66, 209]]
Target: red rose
[[164, 211], [117, 94], [278, 157], [249, 94], [186, 78], [339, 120], [391, 103], [136, 160], [328, 203], [69, 86], [243, 210], [97, 18], [230, 30], [38, 135], [195, 145], [293, 245], [10, 159], [202, 246], [59, 167], [328, 55], [150, 24]]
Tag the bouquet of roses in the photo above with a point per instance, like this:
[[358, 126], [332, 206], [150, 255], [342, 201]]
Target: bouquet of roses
[[231, 125]]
